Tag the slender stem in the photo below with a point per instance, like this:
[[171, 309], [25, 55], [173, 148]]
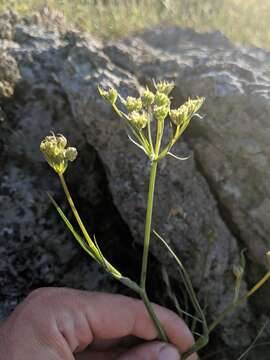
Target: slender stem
[[131, 284], [97, 253], [135, 287], [126, 281], [258, 285], [152, 314], [74, 210], [151, 190], [148, 223], [160, 129], [147, 233], [150, 136], [233, 305]]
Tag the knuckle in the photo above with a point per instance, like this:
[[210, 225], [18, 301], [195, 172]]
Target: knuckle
[[33, 303], [40, 293]]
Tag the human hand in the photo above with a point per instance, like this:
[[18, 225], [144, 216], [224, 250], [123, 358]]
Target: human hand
[[67, 324]]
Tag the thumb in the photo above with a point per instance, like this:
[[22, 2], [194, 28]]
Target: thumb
[[152, 351]]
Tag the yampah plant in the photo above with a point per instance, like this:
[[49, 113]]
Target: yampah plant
[[145, 118]]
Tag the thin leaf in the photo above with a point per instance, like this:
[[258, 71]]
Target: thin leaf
[[173, 297], [178, 157], [138, 145], [71, 228], [245, 353], [203, 340], [102, 259]]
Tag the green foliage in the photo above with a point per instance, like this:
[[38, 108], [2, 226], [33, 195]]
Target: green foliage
[[243, 21]]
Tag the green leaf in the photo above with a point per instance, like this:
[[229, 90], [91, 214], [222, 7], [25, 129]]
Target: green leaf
[[203, 340], [71, 228]]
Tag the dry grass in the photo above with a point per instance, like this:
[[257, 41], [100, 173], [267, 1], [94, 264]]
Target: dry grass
[[243, 21]]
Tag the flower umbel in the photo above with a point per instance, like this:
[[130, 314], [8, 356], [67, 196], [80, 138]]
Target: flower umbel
[[139, 120], [147, 98], [160, 112], [185, 112], [153, 105], [133, 104], [162, 99], [165, 87], [110, 95], [56, 154]]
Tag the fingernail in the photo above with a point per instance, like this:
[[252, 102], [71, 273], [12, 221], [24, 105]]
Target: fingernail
[[168, 353]]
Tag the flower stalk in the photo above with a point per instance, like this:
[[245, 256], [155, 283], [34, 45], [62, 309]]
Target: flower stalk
[[148, 223], [241, 300]]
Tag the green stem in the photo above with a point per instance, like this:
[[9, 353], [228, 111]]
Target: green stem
[[135, 287], [147, 234], [131, 284], [148, 223], [98, 255], [150, 136], [126, 281], [160, 129], [152, 314], [74, 210], [200, 343], [233, 305]]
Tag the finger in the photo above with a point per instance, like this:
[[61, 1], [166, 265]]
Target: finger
[[70, 319], [152, 351], [97, 355], [114, 316]]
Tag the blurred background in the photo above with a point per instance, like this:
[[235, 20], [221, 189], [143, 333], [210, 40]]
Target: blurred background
[[242, 21]]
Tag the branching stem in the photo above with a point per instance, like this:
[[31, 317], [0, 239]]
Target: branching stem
[[148, 223], [233, 305]]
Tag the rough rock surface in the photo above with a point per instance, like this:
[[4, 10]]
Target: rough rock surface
[[36, 249], [232, 143], [206, 207]]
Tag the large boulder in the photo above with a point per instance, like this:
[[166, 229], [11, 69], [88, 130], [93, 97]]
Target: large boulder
[[232, 143], [206, 207], [36, 248]]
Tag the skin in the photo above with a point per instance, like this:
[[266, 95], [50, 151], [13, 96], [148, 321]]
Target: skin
[[67, 324]]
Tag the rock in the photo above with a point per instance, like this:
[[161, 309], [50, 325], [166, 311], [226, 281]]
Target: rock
[[5, 30], [201, 205], [9, 74], [231, 144], [36, 248]]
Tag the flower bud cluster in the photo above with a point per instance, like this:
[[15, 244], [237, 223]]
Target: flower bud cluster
[[140, 111], [162, 106], [133, 104], [147, 98], [161, 112], [137, 116], [185, 112], [110, 95], [139, 119], [56, 154], [165, 87]]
